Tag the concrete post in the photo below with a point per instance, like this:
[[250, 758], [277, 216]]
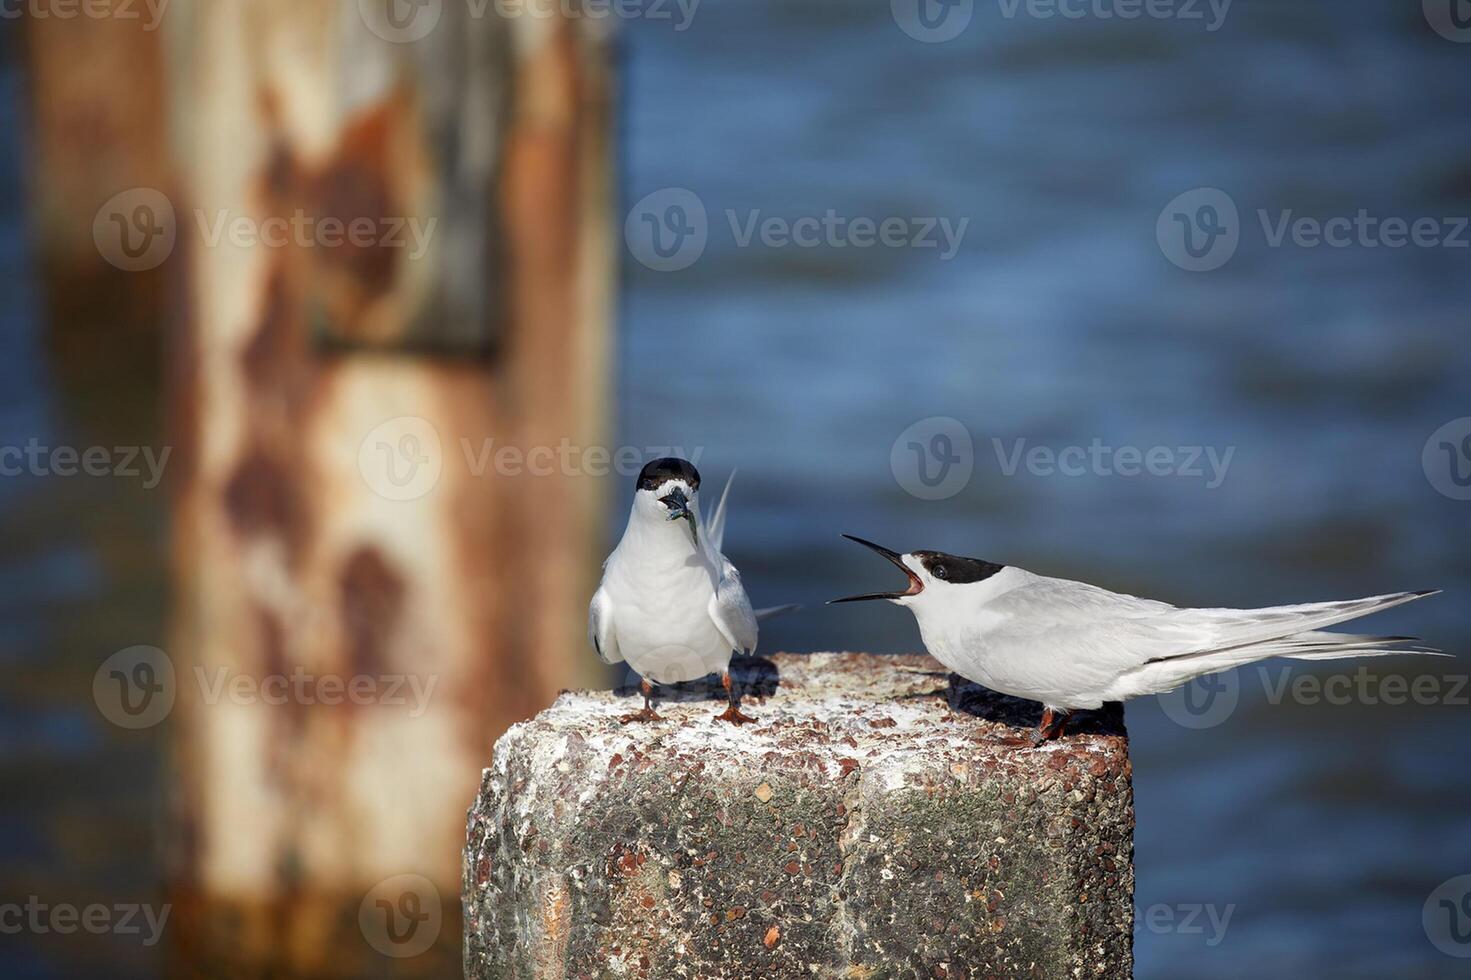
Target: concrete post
[[869, 826]]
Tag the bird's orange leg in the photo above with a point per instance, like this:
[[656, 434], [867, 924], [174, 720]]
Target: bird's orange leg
[[1052, 725], [648, 713], [733, 713]]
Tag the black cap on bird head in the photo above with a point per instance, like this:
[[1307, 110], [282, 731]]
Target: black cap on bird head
[[658, 473]]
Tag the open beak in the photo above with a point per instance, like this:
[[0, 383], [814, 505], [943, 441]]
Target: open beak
[[915, 585]]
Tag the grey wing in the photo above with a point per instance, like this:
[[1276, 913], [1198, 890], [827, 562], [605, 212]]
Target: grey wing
[[1086, 636], [1122, 628], [600, 632], [1080, 630], [731, 609]]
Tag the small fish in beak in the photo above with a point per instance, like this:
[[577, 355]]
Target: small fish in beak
[[915, 585], [679, 507], [678, 504]]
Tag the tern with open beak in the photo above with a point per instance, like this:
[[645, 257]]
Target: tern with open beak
[[1074, 646], [671, 604]]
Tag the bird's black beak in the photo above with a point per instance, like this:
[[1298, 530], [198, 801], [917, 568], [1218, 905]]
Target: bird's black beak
[[915, 585], [678, 504]]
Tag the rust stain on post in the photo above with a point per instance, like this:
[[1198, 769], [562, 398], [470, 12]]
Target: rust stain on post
[[352, 286], [373, 600]]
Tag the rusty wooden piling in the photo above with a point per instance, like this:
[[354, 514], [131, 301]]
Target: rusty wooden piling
[[330, 404]]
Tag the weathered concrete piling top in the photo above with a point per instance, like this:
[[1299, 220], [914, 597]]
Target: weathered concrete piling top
[[870, 825]]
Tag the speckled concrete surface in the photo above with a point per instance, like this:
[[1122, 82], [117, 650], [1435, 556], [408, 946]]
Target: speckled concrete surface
[[870, 825]]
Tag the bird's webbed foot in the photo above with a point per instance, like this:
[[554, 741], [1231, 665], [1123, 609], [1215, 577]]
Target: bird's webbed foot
[[647, 713], [735, 716], [733, 712], [1051, 727]]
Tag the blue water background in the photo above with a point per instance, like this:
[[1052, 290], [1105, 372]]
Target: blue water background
[[1322, 828]]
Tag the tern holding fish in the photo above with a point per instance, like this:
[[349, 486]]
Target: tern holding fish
[[671, 604]]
